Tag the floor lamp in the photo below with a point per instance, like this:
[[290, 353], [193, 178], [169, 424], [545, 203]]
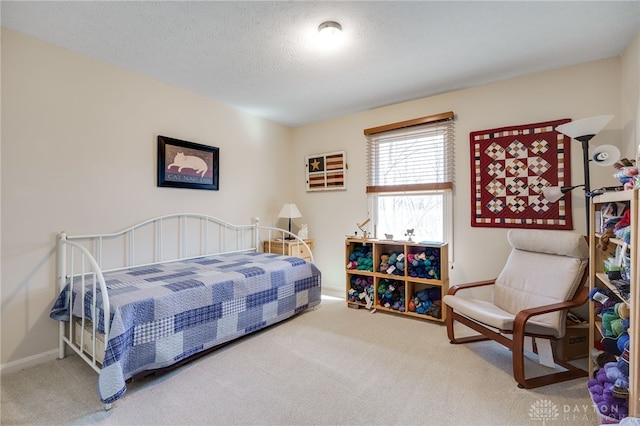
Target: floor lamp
[[583, 131]]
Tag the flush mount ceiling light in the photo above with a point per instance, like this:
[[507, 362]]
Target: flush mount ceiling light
[[329, 28]]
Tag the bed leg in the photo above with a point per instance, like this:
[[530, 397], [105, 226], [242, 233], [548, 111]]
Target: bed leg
[[107, 406], [61, 353]]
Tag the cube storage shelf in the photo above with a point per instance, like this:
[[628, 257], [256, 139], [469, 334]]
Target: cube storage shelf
[[401, 277]]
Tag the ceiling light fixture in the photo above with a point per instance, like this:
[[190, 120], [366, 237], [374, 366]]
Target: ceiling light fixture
[[330, 28]]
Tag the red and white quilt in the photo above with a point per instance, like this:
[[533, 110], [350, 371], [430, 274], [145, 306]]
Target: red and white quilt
[[509, 168]]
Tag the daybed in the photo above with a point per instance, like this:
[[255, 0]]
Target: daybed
[[169, 288]]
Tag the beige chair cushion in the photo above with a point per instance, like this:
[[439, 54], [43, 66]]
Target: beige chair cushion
[[544, 267], [490, 315], [562, 243]]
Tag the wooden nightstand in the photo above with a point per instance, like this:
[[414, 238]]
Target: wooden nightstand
[[289, 248]]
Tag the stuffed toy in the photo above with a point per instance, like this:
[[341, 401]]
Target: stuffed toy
[[603, 241], [384, 263]]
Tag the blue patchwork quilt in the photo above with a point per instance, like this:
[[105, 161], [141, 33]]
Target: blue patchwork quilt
[[161, 314]]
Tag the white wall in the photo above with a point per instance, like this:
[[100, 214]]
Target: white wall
[[79, 154], [574, 92]]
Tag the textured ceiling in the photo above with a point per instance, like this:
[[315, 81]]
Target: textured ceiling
[[263, 57]]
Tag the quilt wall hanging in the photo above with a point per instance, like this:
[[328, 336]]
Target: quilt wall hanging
[[509, 168], [326, 172]]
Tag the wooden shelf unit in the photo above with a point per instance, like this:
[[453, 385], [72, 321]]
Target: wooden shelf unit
[[373, 277], [598, 278]]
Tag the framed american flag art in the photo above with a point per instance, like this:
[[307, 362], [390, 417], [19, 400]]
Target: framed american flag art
[[326, 172]]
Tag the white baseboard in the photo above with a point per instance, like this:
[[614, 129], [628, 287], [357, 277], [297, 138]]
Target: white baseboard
[[28, 362]]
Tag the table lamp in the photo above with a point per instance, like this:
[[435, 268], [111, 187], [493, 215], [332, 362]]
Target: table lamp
[[289, 211]]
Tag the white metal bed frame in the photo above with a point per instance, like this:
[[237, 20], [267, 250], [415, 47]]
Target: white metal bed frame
[[82, 257]]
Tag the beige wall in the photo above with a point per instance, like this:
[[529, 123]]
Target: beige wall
[[630, 97], [79, 154], [72, 126], [575, 92]]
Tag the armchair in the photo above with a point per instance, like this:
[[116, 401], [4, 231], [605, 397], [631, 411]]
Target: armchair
[[544, 276]]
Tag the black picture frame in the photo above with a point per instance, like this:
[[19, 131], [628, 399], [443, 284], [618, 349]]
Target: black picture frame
[[183, 164]]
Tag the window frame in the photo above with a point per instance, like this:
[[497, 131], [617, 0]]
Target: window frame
[[374, 192]]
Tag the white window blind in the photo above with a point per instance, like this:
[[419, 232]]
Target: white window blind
[[411, 157]]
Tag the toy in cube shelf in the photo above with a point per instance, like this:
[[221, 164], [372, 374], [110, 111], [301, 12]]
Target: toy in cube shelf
[[410, 234], [361, 289], [427, 302], [361, 258], [392, 264], [425, 264], [391, 294]]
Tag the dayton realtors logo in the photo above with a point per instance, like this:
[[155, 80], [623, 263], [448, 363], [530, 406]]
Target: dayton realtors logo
[[545, 411]]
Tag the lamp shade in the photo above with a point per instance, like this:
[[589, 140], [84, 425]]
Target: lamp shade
[[552, 193], [605, 155], [290, 211], [585, 127]]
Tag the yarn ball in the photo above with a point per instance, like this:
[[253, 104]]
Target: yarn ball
[[608, 396], [623, 342], [616, 327], [601, 376], [623, 363], [624, 367], [611, 345], [603, 407], [622, 383], [623, 310], [596, 390], [607, 323]]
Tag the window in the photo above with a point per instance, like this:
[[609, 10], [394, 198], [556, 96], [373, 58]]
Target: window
[[410, 173]]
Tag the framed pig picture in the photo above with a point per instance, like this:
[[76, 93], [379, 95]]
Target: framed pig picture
[[183, 164]]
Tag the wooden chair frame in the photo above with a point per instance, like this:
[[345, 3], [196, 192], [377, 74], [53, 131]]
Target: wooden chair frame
[[516, 344]]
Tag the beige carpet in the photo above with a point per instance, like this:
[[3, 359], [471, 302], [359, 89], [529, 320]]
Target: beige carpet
[[330, 366]]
